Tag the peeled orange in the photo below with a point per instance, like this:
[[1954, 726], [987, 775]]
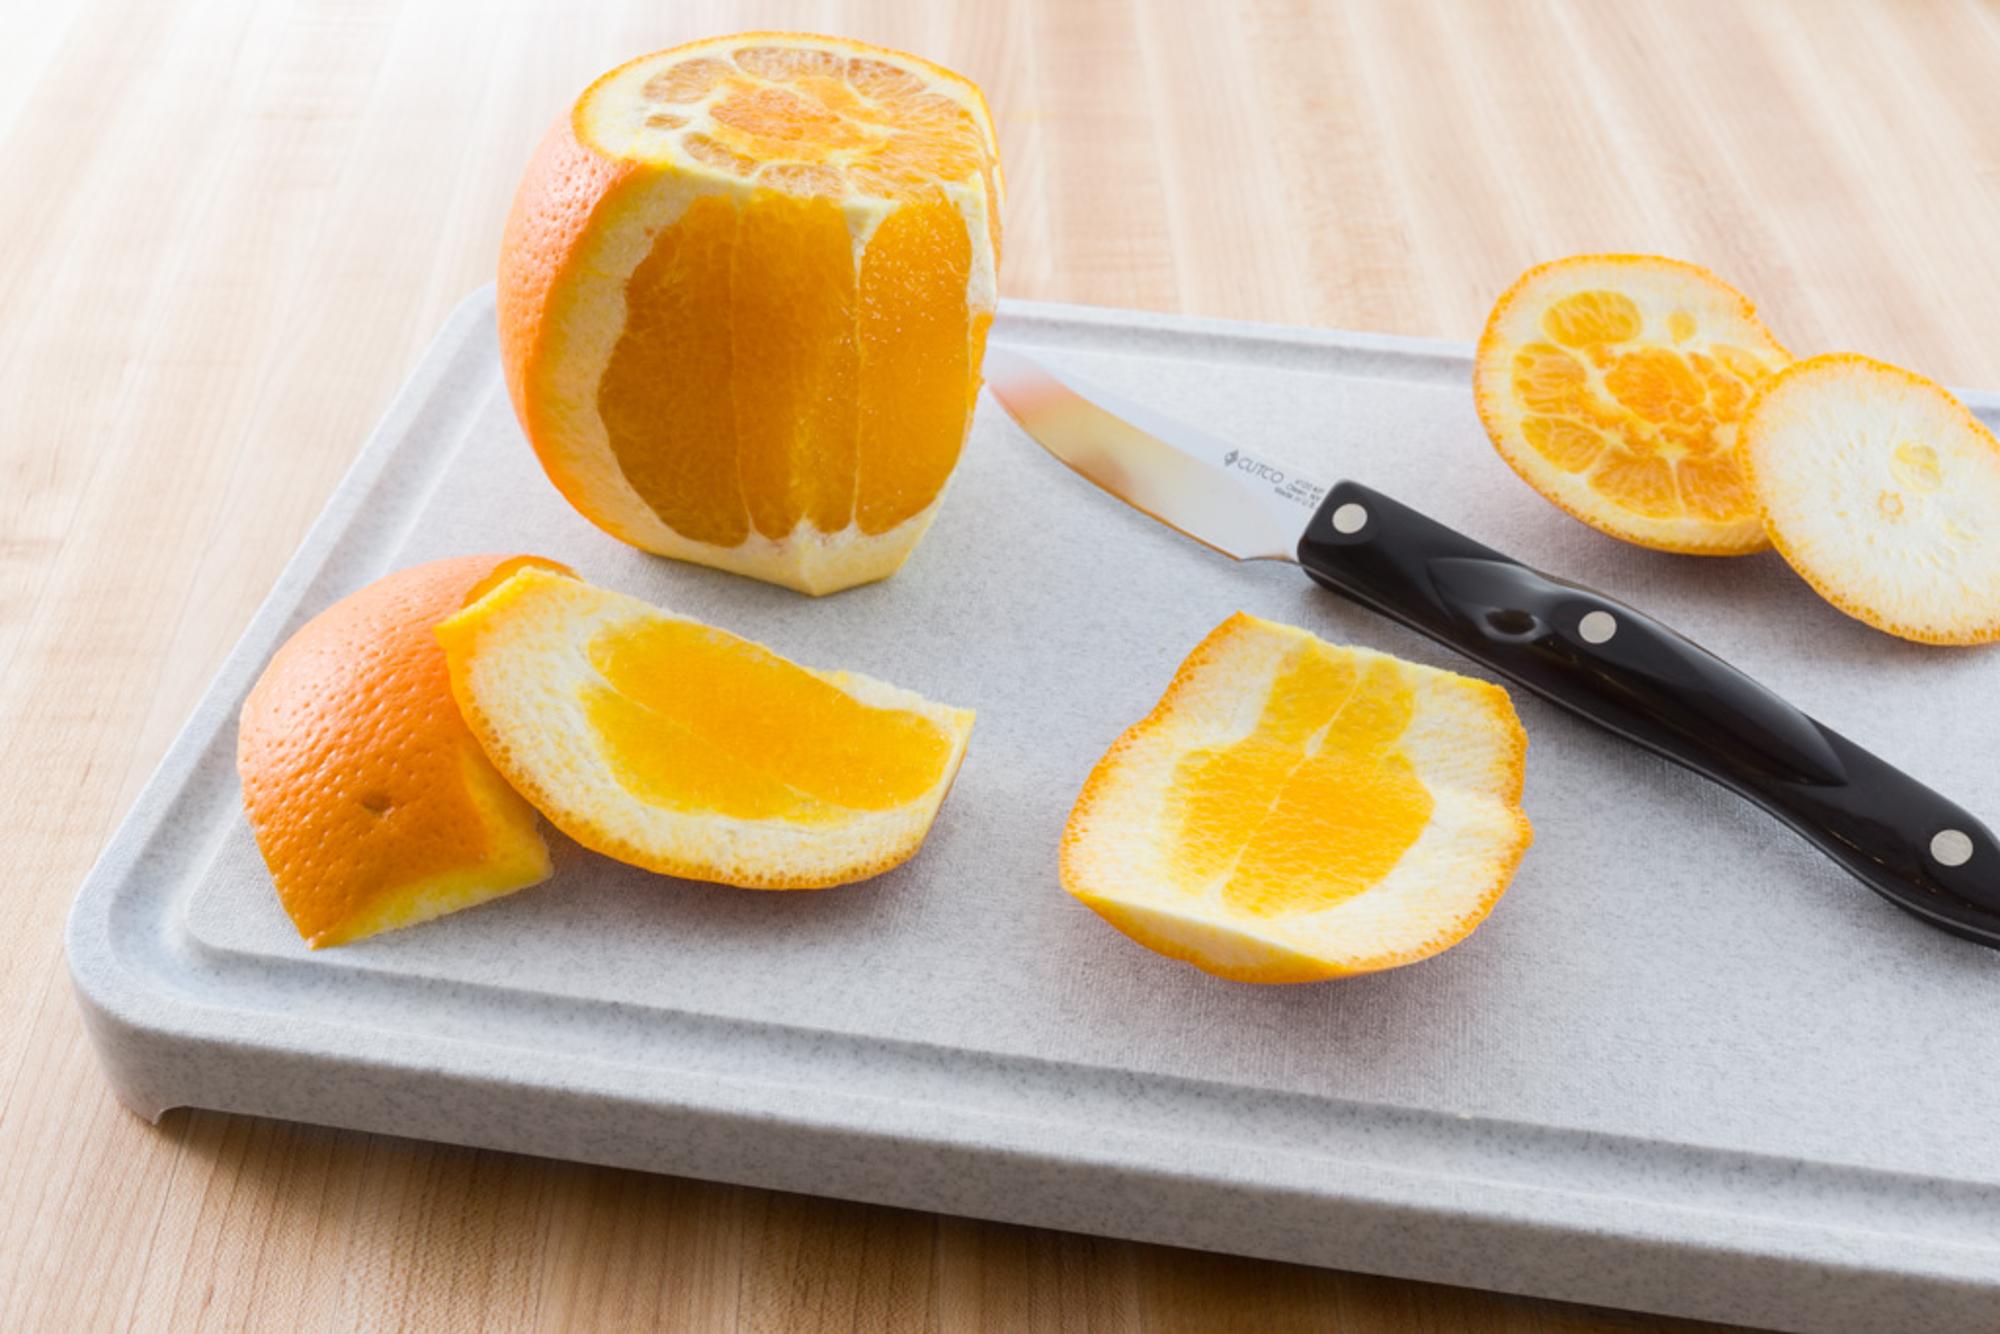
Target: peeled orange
[[1614, 385], [1883, 491], [371, 802], [686, 750], [743, 295], [1293, 810]]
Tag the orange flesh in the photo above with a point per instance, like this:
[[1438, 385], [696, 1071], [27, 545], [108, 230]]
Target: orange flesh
[[753, 385], [696, 720], [915, 360], [1315, 805], [1653, 427], [766, 374], [796, 363]]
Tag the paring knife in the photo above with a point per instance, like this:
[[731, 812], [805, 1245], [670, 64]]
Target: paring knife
[[1589, 653]]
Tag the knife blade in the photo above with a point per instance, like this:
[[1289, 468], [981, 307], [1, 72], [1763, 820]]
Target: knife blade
[[1578, 648]]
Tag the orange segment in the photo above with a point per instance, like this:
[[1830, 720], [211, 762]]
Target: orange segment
[[684, 749], [797, 364], [372, 804], [1293, 810], [743, 295], [1615, 384], [1569, 445], [672, 435], [1882, 491], [916, 361]]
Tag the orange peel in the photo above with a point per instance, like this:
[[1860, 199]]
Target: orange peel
[[372, 804], [1293, 810]]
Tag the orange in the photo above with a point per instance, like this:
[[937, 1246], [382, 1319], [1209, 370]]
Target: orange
[[371, 802], [1614, 385], [686, 750], [744, 291], [1294, 810], [1883, 492]]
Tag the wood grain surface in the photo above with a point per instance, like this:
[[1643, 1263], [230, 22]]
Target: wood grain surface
[[228, 228]]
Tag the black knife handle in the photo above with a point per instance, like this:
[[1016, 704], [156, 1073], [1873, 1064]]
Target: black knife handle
[[1625, 671]]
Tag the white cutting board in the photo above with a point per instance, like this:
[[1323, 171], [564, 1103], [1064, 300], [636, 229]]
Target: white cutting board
[[1687, 1065]]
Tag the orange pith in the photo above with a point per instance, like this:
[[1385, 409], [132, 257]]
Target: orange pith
[[1615, 385], [371, 802], [743, 297], [1327, 777], [698, 720]]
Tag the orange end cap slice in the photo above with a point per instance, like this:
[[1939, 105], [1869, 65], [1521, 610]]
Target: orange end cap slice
[[1883, 492], [1293, 810], [372, 804], [689, 751], [1615, 386]]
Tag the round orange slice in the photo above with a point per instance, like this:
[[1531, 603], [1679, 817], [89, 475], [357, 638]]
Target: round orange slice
[[686, 750], [1883, 491], [1614, 385], [1293, 810], [371, 802], [743, 297]]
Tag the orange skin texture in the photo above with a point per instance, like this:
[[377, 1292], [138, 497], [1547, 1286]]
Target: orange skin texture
[[1488, 350], [564, 187], [1976, 632], [1294, 968], [352, 753]]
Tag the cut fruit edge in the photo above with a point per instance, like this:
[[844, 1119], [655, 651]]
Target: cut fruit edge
[[500, 649], [1786, 509], [1117, 844], [1515, 323]]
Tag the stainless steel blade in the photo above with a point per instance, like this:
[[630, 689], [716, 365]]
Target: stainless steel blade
[[1215, 493]]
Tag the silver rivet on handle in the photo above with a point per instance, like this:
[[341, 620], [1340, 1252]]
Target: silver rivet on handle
[[1951, 847], [1350, 518], [1597, 626]]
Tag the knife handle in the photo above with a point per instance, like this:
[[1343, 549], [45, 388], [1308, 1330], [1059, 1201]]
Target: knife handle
[[1625, 671]]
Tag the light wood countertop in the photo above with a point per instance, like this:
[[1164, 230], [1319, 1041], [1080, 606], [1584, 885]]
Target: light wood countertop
[[229, 228]]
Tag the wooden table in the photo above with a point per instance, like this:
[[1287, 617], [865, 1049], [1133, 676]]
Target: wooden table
[[228, 228]]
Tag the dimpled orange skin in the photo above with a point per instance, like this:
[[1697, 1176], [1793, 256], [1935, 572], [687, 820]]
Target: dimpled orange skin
[[360, 779]]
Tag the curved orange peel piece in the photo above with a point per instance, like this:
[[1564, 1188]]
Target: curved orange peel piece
[[372, 804], [1293, 810]]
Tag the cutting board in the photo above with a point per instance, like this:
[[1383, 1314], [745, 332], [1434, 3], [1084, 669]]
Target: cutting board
[[1686, 1066]]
